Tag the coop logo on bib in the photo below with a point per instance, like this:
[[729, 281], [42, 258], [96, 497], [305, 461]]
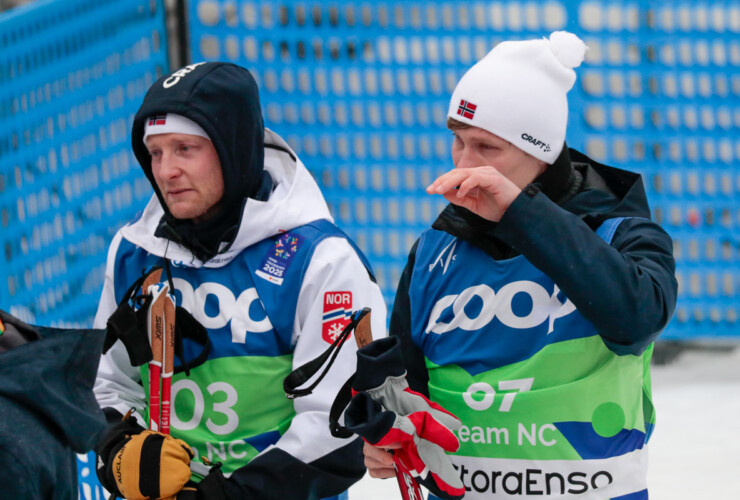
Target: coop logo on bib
[[337, 312], [544, 306]]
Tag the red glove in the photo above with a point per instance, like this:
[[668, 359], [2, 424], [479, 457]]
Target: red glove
[[384, 410]]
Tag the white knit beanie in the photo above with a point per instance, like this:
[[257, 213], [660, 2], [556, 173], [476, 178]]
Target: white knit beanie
[[518, 92]]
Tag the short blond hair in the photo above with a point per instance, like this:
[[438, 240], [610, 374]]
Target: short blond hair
[[453, 124]]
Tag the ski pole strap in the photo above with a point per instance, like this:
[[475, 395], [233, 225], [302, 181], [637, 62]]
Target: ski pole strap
[[187, 327], [129, 325], [168, 274], [303, 374], [344, 396], [130, 328], [363, 336]]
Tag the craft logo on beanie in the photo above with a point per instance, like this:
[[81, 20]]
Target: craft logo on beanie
[[520, 92]]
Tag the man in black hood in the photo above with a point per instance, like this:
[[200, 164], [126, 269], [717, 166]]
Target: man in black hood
[[251, 254], [227, 111], [530, 307]]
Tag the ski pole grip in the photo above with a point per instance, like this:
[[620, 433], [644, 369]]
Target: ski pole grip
[[363, 332]]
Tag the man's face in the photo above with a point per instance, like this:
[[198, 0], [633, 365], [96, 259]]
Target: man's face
[[188, 173], [475, 147]]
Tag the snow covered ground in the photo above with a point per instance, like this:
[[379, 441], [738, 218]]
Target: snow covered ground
[[695, 449]]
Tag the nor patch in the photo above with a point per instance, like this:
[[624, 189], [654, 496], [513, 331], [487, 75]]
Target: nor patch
[[276, 262], [337, 312]]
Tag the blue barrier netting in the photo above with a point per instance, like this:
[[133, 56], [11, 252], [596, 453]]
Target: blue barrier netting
[[360, 90], [72, 73]]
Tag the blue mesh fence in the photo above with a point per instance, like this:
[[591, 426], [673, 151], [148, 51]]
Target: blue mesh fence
[[360, 90], [659, 94], [72, 73]]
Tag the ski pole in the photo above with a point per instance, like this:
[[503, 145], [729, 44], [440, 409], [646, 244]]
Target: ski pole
[[156, 327], [168, 360]]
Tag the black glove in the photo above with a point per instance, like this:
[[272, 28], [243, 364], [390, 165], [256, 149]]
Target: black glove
[[110, 443], [212, 487]]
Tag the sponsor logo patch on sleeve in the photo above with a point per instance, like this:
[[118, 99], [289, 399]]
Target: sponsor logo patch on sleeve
[[337, 313], [277, 260]]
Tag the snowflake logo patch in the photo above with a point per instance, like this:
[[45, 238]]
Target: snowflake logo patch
[[337, 312]]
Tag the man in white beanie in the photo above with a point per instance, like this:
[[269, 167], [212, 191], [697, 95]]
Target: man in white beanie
[[530, 308]]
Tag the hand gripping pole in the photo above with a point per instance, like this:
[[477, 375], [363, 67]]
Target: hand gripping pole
[[410, 489]]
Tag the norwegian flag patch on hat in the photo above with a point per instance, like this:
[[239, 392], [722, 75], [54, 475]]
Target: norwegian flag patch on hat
[[466, 109], [157, 120]]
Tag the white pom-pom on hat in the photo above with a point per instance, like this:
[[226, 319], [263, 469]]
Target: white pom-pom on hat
[[568, 48]]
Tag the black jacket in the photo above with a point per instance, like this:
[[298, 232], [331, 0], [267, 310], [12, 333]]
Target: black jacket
[[48, 412], [626, 289]]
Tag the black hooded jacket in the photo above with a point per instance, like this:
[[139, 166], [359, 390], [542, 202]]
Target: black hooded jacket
[[47, 408], [558, 238], [224, 100]]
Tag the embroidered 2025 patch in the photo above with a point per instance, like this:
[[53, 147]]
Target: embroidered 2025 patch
[[277, 260]]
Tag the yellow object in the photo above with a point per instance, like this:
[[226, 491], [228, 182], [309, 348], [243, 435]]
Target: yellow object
[[152, 465]]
